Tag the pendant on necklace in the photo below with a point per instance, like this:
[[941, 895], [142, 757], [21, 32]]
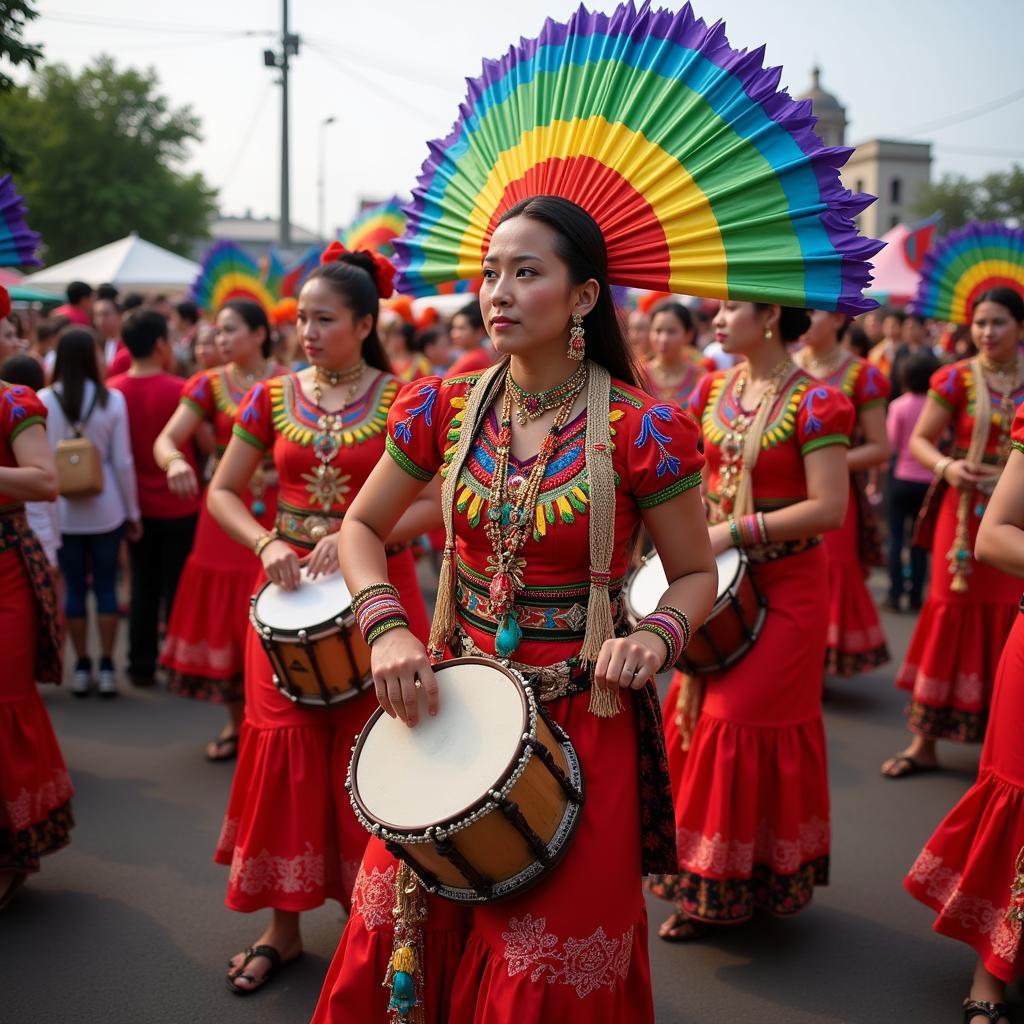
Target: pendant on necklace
[[326, 446], [501, 593], [506, 640]]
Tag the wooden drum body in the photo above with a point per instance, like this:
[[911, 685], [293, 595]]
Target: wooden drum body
[[315, 649], [480, 800], [735, 622]]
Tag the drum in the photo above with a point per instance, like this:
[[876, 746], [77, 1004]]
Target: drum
[[310, 636], [735, 622], [482, 799]]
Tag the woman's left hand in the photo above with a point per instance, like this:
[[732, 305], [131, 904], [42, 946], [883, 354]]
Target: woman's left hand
[[629, 661], [324, 558], [721, 538]]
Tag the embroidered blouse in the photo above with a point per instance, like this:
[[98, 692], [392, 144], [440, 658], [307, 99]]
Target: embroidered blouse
[[20, 408], [655, 458], [1018, 430], [806, 415], [277, 417], [678, 391], [953, 387], [862, 382], [417, 365], [213, 395]]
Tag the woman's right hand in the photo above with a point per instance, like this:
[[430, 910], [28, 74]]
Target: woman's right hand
[[181, 479], [400, 669], [963, 475], [281, 565]]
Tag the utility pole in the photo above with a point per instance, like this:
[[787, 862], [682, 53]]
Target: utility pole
[[289, 48], [321, 181]]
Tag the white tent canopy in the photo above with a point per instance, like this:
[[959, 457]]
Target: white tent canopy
[[131, 262]]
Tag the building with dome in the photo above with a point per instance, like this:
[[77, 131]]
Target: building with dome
[[892, 169]]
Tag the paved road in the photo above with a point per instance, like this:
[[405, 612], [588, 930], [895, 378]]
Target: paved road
[[128, 925]]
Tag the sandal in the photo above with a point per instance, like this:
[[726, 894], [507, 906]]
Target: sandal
[[680, 927], [268, 953], [975, 1008], [16, 882], [225, 748], [913, 767]]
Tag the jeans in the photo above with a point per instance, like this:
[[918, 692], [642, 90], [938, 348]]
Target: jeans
[[85, 554], [157, 561], [905, 500]]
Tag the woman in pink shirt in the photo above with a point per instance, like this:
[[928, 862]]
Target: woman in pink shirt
[[910, 479]]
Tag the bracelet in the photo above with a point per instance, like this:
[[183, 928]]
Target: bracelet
[[940, 467], [263, 541], [374, 589], [386, 627], [377, 611], [734, 532], [659, 630], [763, 527], [681, 618], [175, 456]]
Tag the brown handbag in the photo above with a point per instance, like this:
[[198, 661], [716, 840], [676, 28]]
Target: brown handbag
[[79, 463]]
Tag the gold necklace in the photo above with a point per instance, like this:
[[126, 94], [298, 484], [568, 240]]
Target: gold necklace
[[1008, 376], [532, 404], [326, 484], [821, 367], [246, 380]]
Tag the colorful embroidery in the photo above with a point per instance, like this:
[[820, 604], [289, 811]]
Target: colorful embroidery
[[649, 432], [720, 411], [373, 896], [403, 430], [226, 397]]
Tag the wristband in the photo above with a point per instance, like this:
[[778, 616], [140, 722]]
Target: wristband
[[263, 541], [762, 527], [681, 618], [734, 532], [373, 590], [386, 627], [175, 456], [940, 467]]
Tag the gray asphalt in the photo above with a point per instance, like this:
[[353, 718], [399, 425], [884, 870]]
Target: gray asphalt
[[128, 925]]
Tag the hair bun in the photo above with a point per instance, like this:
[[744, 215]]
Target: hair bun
[[380, 268]]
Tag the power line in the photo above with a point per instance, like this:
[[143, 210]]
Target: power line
[[240, 151], [374, 62], [967, 115], [151, 26]]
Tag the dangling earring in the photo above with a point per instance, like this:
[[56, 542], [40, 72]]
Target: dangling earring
[[577, 345], [769, 334]]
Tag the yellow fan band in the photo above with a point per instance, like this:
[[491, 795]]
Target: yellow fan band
[[978, 273], [236, 281], [682, 208]]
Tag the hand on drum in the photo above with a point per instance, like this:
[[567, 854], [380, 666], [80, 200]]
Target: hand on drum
[[323, 560], [400, 670], [721, 539], [281, 565], [628, 662]]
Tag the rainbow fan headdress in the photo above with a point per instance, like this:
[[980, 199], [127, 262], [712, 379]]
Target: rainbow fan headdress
[[295, 277], [704, 177], [377, 227], [18, 242], [966, 263], [229, 272]]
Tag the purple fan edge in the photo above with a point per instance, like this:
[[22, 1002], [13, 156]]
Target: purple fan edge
[[26, 241]]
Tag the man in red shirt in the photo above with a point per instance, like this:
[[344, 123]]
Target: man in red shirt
[[470, 341], [78, 308], [168, 521]]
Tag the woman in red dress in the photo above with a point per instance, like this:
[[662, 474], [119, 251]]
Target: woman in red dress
[[290, 836], [35, 791], [856, 642], [206, 635], [675, 365], [967, 869], [553, 953], [748, 764], [951, 661]]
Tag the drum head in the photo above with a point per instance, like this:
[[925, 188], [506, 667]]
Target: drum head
[[646, 587], [728, 566], [314, 603], [410, 779]]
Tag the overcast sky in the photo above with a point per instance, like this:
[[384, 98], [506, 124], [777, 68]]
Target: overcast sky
[[391, 73]]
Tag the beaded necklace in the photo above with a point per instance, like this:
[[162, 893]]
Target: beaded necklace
[[326, 484], [1008, 376], [512, 506], [531, 404]]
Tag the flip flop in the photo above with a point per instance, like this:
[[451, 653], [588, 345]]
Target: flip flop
[[914, 767], [673, 928], [225, 747], [269, 953]]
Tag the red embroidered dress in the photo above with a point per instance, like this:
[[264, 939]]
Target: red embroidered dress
[[35, 791], [554, 953], [678, 391], [965, 871], [856, 642], [289, 835], [751, 794], [951, 661], [204, 649]]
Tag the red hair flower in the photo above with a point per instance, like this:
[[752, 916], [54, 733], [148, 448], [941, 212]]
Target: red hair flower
[[5, 302], [383, 272]]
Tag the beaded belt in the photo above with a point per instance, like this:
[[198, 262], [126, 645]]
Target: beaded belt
[[774, 550], [304, 531]]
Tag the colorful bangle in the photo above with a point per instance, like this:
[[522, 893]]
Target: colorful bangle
[[372, 590], [734, 532], [376, 611], [681, 618], [940, 467], [762, 527], [386, 627], [264, 541], [667, 629]]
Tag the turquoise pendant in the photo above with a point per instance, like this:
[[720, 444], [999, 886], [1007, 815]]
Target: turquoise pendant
[[258, 508], [403, 993], [979, 510], [508, 636]]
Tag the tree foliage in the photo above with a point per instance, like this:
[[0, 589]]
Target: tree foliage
[[103, 154], [998, 196], [14, 16]]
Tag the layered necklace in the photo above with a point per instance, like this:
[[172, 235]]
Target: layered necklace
[[1006, 377], [824, 366], [512, 509], [326, 485], [531, 404]]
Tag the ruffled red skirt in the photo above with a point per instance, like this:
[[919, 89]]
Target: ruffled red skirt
[[965, 871], [35, 791], [751, 794], [950, 665], [290, 836], [856, 642], [204, 651], [572, 948]]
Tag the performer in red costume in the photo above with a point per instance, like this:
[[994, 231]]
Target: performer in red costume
[[747, 748], [856, 642], [675, 365], [35, 791], [289, 836], [951, 661], [206, 635], [971, 871]]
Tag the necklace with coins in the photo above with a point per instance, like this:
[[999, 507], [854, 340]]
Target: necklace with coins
[[512, 510], [326, 484]]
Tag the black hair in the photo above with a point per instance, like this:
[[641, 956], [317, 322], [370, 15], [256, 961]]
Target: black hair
[[793, 321], [581, 247], [187, 310], [112, 299], [47, 329], [471, 311], [897, 314], [916, 317], [133, 300], [1009, 298], [15, 318], [426, 337], [858, 341], [676, 309], [107, 291], [354, 279], [78, 290], [76, 363], [23, 369], [255, 317], [142, 330], [916, 371]]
